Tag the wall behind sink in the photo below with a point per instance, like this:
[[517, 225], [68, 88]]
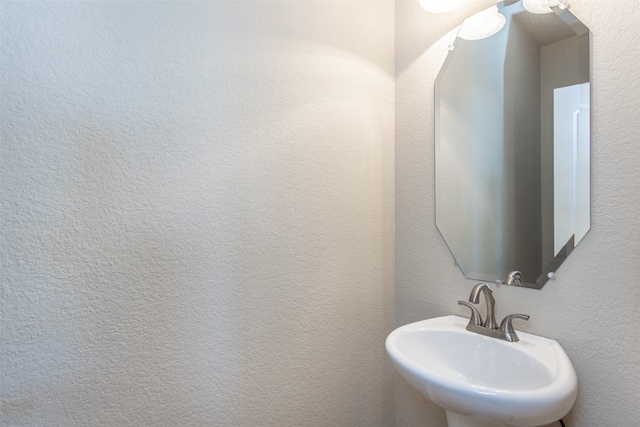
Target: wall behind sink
[[592, 307], [197, 213]]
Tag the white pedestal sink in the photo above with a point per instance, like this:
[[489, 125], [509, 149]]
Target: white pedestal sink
[[482, 381]]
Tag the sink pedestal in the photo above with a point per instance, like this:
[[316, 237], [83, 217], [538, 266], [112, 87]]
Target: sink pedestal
[[457, 420]]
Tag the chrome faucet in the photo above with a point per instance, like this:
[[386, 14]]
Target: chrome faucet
[[489, 326]]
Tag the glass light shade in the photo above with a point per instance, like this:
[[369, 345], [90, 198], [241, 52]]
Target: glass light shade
[[540, 6], [482, 25]]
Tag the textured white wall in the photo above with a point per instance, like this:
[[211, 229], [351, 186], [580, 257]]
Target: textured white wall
[[197, 213], [592, 308]]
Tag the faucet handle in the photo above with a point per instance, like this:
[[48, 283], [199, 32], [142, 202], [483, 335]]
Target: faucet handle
[[475, 318], [506, 326]]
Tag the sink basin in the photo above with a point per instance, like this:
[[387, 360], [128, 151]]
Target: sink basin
[[484, 381]]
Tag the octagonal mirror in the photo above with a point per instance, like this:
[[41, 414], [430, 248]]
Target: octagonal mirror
[[512, 143]]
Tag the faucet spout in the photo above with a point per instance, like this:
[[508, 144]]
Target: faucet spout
[[514, 278], [484, 288]]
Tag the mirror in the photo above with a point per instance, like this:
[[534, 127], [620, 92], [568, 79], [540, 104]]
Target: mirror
[[512, 143]]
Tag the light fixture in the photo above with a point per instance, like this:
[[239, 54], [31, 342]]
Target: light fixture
[[543, 6], [441, 6], [482, 25]]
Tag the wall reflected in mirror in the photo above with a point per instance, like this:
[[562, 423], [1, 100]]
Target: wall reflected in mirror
[[512, 148]]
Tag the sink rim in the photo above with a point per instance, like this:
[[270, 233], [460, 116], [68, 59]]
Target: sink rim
[[517, 407]]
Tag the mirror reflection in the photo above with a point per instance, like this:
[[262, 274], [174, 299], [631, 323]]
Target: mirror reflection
[[512, 108]]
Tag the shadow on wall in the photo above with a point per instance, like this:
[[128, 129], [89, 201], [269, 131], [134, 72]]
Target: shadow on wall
[[427, 29], [355, 27], [215, 244]]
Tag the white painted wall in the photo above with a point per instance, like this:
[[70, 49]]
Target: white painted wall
[[197, 213], [592, 308]]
